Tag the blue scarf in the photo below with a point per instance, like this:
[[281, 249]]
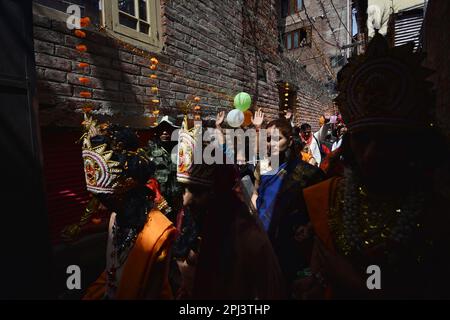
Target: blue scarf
[[269, 186]]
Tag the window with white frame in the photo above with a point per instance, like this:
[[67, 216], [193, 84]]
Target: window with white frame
[[134, 20], [137, 22]]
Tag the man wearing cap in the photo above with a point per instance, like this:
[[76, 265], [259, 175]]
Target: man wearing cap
[[159, 150]]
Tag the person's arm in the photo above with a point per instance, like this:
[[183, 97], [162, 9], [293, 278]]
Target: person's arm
[[289, 117], [220, 137], [322, 133], [97, 290], [255, 190], [334, 146], [218, 129], [257, 121], [315, 150]]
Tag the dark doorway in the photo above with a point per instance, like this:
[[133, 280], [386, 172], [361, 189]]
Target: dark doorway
[[288, 96], [24, 242]]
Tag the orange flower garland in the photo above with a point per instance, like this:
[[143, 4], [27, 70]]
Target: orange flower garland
[[85, 94], [82, 48], [80, 34], [197, 109], [83, 80], [154, 89], [85, 21]]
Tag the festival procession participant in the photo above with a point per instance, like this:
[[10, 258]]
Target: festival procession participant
[[279, 201], [312, 143], [139, 237], [383, 215], [233, 257], [241, 158], [332, 165], [159, 151], [340, 132]]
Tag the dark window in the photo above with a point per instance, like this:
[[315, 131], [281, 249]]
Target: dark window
[[296, 42], [289, 7], [304, 38], [297, 38], [292, 5], [287, 96], [289, 41], [262, 74]]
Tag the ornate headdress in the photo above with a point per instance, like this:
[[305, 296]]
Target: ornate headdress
[[101, 172], [385, 86], [187, 171], [107, 162]]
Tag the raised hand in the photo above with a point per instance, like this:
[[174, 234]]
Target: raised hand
[[288, 114], [219, 118], [258, 118]]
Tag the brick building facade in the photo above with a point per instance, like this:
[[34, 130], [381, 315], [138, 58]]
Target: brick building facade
[[210, 49], [315, 33]]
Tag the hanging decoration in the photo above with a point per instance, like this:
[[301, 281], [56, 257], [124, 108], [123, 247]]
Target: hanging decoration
[[247, 118], [197, 109], [235, 118], [242, 101], [71, 232], [155, 101], [84, 81]]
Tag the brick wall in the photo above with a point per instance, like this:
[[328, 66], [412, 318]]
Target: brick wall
[[309, 111], [328, 22], [211, 49]]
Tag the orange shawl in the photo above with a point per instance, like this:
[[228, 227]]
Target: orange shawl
[[318, 200], [145, 273]]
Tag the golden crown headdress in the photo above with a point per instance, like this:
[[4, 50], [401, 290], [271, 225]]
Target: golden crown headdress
[[385, 86], [101, 173], [188, 171]]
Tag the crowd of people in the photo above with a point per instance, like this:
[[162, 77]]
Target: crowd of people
[[356, 193]]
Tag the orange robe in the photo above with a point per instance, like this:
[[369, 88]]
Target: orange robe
[[145, 273], [318, 199]]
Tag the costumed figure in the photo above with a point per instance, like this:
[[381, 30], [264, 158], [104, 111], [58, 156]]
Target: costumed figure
[[382, 218], [139, 236], [232, 257]]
